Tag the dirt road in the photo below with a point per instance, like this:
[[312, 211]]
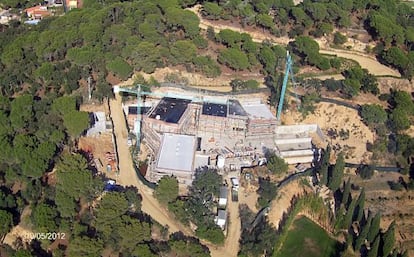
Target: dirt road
[[128, 177], [367, 62], [282, 203], [150, 205], [231, 245]]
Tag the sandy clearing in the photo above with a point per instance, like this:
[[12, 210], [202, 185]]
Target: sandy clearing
[[330, 116], [366, 62], [282, 202], [18, 231]]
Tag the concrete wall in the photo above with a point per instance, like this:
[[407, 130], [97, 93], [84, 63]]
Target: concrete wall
[[296, 129], [302, 140], [298, 153], [295, 160], [302, 129]]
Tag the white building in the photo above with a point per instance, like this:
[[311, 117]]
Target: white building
[[176, 157], [221, 219]]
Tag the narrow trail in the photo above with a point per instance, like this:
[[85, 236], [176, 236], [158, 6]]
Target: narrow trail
[[366, 61]]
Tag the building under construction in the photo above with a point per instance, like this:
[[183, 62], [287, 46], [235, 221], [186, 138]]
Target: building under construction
[[184, 135], [186, 131]]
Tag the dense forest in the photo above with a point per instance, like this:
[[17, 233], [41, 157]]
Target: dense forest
[[123, 37], [48, 187]]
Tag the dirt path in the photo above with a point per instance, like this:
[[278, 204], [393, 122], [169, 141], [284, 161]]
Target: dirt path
[[20, 230], [282, 202], [128, 177], [365, 61], [231, 245], [324, 77], [234, 231]]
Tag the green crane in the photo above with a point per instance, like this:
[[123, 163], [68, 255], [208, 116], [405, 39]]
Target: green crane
[[288, 70]]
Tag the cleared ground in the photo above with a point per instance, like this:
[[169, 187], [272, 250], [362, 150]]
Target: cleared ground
[[366, 62], [306, 238], [282, 202], [335, 118]]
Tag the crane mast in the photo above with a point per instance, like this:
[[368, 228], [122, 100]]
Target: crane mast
[[288, 70]]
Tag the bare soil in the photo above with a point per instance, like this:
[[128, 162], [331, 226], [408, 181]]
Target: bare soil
[[283, 201], [366, 62], [199, 80], [98, 146], [20, 230], [386, 84], [333, 117]]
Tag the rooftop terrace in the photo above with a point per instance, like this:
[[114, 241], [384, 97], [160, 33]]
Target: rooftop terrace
[[213, 109], [170, 109]]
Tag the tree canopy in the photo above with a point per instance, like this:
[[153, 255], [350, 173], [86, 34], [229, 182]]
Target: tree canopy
[[277, 164], [167, 189], [373, 114]]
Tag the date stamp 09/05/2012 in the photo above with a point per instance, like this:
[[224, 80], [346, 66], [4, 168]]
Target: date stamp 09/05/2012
[[45, 236]]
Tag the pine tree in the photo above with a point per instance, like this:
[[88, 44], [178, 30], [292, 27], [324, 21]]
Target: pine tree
[[337, 173], [360, 205], [375, 226], [388, 240], [323, 172], [345, 194], [349, 214], [374, 248], [340, 216], [363, 234], [394, 254]]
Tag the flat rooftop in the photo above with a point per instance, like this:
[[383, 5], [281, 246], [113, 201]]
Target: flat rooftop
[[235, 108], [213, 109], [223, 192], [177, 152], [258, 111], [170, 109]]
